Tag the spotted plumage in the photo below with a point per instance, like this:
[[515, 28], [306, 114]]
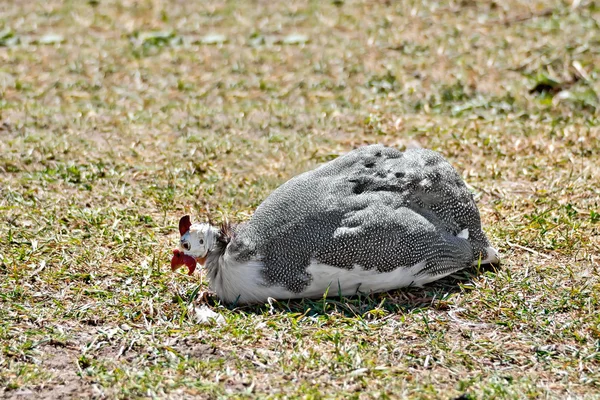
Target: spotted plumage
[[371, 220]]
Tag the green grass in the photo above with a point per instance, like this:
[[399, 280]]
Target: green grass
[[117, 117]]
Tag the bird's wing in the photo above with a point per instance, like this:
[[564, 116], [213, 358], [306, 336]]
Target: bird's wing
[[423, 181], [381, 234]]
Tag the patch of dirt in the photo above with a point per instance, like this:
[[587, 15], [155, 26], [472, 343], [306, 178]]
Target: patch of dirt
[[202, 351], [192, 348], [61, 361]]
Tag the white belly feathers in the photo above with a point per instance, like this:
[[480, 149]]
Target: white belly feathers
[[243, 282]]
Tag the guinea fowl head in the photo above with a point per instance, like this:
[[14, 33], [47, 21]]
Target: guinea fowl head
[[197, 240]]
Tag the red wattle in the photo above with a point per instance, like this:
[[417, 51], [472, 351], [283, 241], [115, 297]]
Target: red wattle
[[179, 259]]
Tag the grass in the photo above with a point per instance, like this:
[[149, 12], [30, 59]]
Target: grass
[[117, 117]]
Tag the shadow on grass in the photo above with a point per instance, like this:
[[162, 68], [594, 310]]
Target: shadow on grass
[[403, 300]]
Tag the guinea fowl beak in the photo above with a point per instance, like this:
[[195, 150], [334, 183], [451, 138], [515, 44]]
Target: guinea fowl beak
[[180, 258]]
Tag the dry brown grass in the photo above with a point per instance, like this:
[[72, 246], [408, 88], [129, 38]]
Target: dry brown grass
[[116, 117]]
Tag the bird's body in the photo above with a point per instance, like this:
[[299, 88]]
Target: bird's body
[[372, 220]]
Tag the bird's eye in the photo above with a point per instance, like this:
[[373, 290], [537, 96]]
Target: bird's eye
[[186, 245], [201, 241]]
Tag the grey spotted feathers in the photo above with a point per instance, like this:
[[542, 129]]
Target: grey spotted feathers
[[375, 209]]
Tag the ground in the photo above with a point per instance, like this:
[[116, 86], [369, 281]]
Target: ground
[[118, 117]]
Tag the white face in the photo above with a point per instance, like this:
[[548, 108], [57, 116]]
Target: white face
[[198, 240]]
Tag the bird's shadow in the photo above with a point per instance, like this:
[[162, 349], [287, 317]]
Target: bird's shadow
[[433, 295]]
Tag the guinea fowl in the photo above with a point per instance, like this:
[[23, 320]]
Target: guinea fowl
[[372, 220]]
